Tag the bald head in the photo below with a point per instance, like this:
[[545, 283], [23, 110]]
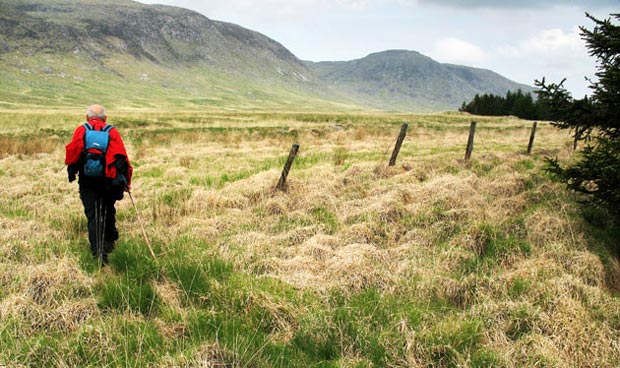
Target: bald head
[[96, 111]]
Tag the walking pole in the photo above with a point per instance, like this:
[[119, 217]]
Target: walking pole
[[104, 219], [98, 245], [148, 243]]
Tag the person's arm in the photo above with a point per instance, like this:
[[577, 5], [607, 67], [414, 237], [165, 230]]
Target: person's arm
[[118, 161], [74, 149], [73, 152]]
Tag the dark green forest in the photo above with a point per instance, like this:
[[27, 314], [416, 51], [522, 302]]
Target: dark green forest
[[522, 105]]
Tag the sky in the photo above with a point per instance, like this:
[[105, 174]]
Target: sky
[[523, 40]]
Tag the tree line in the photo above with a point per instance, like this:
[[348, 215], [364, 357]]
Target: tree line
[[522, 105]]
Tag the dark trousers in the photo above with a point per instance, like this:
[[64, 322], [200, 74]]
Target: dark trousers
[[101, 214]]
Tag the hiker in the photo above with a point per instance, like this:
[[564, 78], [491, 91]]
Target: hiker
[[97, 154]]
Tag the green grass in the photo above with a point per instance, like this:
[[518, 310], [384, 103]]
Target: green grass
[[326, 217], [10, 210], [452, 340], [128, 294], [521, 322], [492, 247], [219, 181], [166, 89], [196, 278], [520, 286], [434, 262]]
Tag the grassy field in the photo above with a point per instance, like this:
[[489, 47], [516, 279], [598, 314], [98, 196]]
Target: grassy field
[[435, 262]]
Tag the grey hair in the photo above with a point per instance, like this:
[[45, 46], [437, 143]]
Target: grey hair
[[96, 114]]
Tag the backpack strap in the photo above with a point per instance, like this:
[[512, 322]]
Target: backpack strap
[[106, 128], [87, 127]]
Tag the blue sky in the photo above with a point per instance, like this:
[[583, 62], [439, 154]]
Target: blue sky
[[522, 40]]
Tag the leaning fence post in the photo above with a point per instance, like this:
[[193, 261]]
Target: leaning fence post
[[470, 140], [287, 167], [399, 143], [532, 135]]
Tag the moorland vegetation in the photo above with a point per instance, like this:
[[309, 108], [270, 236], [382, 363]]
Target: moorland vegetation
[[436, 261]]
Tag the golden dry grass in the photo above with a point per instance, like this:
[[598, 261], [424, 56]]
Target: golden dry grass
[[493, 238]]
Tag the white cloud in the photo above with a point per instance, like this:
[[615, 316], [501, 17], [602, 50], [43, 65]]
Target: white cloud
[[357, 5], [552, 53], [266, 10], [277, 9], [263, 10], [554, 43], [549, 44], [508, 51], [551, 48], [512, 4], [454, 50]]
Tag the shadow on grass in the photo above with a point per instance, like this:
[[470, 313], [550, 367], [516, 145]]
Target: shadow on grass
[[604, 240]]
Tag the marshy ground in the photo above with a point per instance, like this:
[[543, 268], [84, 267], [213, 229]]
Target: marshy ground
[[436, 261]]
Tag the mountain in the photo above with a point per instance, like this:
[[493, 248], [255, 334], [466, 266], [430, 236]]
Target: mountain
[[57, 52], [127, 54], [408, 80]]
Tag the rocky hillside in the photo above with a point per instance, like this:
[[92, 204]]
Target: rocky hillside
[[147, 52], [408, 80], [161, 34], [127, 54]]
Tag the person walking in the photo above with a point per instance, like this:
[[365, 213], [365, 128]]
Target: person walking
[[97, 155]]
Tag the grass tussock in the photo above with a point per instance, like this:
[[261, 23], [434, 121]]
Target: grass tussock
[[27, 146], [435, 262], [55, 296]]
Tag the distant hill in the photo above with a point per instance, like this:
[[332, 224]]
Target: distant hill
[[130, 54], [127, 54], [406, 80]]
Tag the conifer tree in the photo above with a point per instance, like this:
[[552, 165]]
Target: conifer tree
[[515, 103], [594, 120]]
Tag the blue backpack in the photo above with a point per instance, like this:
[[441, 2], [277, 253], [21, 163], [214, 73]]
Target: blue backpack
[[94, 163]]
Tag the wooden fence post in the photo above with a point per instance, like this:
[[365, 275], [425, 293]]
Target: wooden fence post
[[470, 140], [399, 143], [287, 167], [532, 136]]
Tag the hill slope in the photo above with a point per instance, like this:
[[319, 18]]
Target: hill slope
[[53, 51], [408, 80], [127, 54]]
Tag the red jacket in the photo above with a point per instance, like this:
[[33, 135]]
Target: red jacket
[[115, 147]]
